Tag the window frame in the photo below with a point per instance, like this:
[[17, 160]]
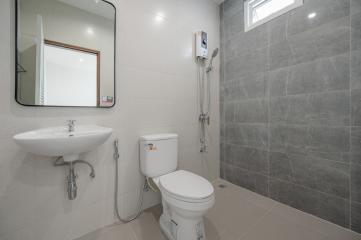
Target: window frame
[[248, 10]]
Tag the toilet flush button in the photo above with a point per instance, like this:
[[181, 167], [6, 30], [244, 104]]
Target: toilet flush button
[[151, 147]]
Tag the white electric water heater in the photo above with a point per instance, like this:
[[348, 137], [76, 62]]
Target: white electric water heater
[[201, 45]]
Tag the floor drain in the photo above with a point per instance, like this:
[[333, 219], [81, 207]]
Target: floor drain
[[222, 186]]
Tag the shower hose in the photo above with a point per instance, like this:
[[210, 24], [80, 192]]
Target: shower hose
[[140, 200]]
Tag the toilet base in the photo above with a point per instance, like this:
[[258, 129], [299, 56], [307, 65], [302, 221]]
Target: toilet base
[[182, 229]]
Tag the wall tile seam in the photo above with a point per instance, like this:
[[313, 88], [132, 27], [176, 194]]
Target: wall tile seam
[[256, 99], [268, 89], [246, 99], [310, 125], [237, 145], [243, 52], [306, 155], [288, 36], [222, 79], [261, 149], [351, 179], [287, 68], [311, 94], [248, 124], [271, 178], [350, 117], [268, 69], [283, 124], [308, 188]]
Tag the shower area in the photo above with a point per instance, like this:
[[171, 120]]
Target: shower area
[[290, 95]]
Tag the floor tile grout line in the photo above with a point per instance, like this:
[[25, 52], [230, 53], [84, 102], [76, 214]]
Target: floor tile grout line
[[268, 212]]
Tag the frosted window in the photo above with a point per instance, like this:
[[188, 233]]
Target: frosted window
[[258, 12]]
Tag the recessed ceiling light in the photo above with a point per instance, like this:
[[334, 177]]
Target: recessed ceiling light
[[312, 15], [159, 17], [81, 60], [97, 1], [90, 31]]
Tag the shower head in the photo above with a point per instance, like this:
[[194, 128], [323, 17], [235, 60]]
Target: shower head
[[215, 53]]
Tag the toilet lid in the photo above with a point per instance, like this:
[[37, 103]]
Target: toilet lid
[[186, 185]]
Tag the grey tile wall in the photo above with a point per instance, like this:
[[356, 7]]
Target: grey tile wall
[[291, 107]]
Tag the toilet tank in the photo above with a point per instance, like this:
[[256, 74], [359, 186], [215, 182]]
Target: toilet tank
[[158, 154]]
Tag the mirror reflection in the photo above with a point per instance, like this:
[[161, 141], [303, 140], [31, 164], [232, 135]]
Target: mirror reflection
[[65, 53]]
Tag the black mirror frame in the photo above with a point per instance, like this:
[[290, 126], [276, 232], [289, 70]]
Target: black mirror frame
[[16, 63]]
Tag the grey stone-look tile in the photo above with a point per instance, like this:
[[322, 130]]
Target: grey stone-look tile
[[250, 159], [356, 69], [223, 170], [333, 38], [222, 147], [356, 183], [252, 111], [290, 109], [300, 139], [330, 108], [356, 31], [325, 13], [230, 109], [244, 41], [230, 7], [288, 139], [356, 107], [323, 205], [280, 55], [325, 41], [246, 87], [355, 155], [232, 25], [248, 135], [277, 29], [326, 74], [356, 217], [250, 62], [355, 6], [341, 157], [277, 82], [332, 139], [251, 180], [319, 174], [285, 89]]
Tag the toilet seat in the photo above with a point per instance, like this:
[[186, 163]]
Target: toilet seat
[[186, 187]]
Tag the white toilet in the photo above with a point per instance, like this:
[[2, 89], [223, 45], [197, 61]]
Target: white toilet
[[186, 197]]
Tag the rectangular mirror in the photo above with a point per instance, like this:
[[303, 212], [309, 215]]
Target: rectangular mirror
[[65, 54]]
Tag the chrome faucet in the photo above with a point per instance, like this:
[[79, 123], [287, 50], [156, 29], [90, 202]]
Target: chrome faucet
[[71, 125]]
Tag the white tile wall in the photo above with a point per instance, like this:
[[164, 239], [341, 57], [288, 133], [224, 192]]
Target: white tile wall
[[156, 92]]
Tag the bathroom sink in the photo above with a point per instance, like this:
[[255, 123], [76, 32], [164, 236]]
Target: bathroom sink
[[59, 142]]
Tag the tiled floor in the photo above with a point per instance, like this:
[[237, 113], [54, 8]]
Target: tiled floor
[[237, 215]]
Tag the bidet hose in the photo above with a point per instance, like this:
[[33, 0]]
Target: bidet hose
[[140, 200]]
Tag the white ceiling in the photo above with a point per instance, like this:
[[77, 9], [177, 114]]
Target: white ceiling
[[218, 1]]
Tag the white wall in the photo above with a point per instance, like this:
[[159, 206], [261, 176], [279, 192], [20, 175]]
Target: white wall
[[156, 92]]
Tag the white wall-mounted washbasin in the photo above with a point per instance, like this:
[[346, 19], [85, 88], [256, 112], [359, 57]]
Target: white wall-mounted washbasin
[[59, 142]]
